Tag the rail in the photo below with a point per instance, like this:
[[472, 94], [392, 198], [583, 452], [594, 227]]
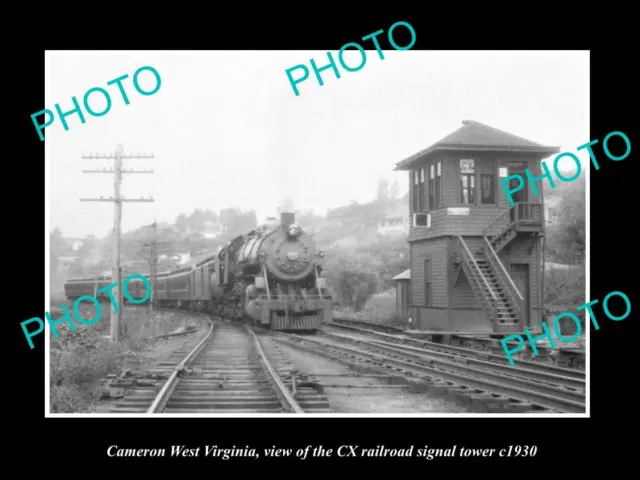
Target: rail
[[503, 219], [286, 400], [544, 393], [167, 389], [470, 255]]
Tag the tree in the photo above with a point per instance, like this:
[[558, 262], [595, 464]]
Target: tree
[[567, 237], [250, 220], [56, 249], [382, 194], [309, 218], [229, 216], [196, 220], [394, 189], [237, 221], [56, 242], [210, 216], [182, 222]]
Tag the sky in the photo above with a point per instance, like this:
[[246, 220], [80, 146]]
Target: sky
[[226, 128]]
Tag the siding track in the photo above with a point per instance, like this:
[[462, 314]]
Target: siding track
[[569, 358], [479, 381]]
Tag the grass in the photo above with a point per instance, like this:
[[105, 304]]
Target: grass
[[564, 291], [80, 359], [380, 308]]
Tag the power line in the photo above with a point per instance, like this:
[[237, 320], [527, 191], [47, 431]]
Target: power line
[[117, 199]]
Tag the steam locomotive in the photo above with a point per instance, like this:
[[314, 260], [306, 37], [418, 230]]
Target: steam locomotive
[[271, 276]]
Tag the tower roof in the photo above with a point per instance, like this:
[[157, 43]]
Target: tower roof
[[478, 136]]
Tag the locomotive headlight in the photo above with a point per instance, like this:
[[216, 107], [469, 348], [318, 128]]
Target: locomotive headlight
[[294, 230], [321, 254]]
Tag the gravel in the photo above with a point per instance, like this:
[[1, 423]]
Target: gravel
[[384, 399]]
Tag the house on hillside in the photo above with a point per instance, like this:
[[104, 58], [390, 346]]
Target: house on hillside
[[181, 258], [167, 228], [74, 244], [551, 213], [476, 261], [213, 229], [395, 222], [63, 266]]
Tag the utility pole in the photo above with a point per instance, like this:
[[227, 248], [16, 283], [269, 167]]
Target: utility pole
[[153, 259], [117, 199]]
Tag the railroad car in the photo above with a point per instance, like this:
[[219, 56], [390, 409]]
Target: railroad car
[[271, 276], [79, 287], [89, 286]]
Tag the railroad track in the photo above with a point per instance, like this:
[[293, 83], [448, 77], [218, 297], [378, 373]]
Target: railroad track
[[563, 357], [523, 368], [495, 386], [229, 370]]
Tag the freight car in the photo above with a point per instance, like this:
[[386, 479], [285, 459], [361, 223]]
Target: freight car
[[271, 276]]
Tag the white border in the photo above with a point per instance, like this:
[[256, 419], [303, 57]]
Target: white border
[[48, 339]]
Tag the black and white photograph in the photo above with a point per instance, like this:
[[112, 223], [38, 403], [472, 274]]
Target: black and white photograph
[[251, 234]]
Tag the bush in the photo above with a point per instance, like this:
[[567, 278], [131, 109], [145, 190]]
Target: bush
[[80, 359], [76, 370], [564, 291], [366, 266]]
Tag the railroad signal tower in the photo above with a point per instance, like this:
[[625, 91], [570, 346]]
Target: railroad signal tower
[[117, 199]]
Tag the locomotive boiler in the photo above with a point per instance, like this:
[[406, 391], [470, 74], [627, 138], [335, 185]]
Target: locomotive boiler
[[272, 276]]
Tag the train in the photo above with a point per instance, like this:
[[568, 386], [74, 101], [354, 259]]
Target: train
[[271, 276]]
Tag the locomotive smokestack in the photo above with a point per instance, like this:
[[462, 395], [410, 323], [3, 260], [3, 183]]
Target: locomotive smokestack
[[286, 219]]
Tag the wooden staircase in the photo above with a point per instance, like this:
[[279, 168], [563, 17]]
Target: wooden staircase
[[523, 217], [489, 285], [506, 309], [488, 277], [504, 238]]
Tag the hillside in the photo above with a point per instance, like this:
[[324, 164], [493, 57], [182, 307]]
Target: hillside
[[353, 227]]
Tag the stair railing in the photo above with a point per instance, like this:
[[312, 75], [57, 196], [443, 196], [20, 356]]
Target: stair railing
[[495, 259], [475, 264], [503, 221], [528, 212], [501, 271]]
